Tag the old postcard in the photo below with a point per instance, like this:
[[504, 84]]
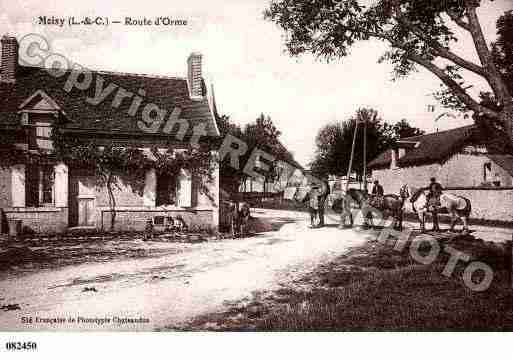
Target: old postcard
[[249, 165]]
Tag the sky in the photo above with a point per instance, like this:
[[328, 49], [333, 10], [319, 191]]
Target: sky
[[244, 57]]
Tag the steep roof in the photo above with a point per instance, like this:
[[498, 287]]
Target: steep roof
[[165, 92], [430, 148]]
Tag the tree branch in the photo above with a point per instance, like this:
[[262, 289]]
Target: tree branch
[[494, 78], [458, 20], [444, 77], [441, 50], [454, 86]]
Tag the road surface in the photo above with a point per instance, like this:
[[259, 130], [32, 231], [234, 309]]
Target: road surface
[[150, 293]]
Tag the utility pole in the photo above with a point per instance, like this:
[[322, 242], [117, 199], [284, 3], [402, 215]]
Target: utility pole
[[365, 155], [352, 155]]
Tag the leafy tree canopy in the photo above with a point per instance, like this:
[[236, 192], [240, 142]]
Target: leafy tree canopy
[[262, 134], [334, 142], [419, 33]]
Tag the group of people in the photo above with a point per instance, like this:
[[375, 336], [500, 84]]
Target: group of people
[[435, 190], [316, 199], [318, 194]]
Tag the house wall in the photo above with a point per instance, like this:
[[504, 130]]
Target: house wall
[[134, 206], [50, 219], [462, 171], [418, 176], [134, 219], [5, 197], [466, 170], [46, 220], [5, 188], [492, 204]]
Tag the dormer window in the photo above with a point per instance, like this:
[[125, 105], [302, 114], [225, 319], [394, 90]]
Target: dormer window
[[39, 134]]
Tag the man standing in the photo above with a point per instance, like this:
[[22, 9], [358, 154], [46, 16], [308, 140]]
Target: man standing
[[377, 194], [312, 198], [435, 190], [325, 191], [343, 204]]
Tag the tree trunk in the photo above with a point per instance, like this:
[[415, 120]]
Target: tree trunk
[[112, 202]]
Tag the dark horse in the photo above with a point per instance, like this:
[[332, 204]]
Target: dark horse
[[238, 214], [391, 203]]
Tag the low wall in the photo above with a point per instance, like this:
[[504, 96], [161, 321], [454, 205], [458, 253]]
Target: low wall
[[134, 219], [39, 220], [488, 203], [493, 204]]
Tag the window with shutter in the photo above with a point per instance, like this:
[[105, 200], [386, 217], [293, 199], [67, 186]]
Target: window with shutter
[[184, 189], [39, 185]]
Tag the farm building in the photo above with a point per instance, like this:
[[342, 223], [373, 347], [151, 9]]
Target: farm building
[[48, 195], [461, 161]]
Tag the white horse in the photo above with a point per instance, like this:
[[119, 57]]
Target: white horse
[[458, 207]]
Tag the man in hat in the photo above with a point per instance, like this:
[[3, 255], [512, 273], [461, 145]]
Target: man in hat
[[433, 197], [377, 194]]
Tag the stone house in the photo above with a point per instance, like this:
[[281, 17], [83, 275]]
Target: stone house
[[461, 160], [49, 196], [456, 158]]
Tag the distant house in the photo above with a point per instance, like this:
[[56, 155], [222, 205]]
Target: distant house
[[50, 196], [286, 174], [456, 158]]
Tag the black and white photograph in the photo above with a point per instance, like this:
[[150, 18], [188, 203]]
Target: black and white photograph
[[255, 166]]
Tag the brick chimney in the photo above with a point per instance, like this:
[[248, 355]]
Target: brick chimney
[[194, 79], [9, 63]]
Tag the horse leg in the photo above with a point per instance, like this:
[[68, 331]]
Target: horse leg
[[453, 221], [465, 224], [436, 227], [342, 220]]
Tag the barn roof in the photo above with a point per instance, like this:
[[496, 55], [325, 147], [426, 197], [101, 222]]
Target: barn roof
[[429, 148], [165, 92]]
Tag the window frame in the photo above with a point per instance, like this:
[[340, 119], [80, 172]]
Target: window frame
[[39, 172]]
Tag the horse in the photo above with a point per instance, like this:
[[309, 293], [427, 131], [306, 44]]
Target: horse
[[458, 207], [342, 205], [391, 203], [238, 214], [243, 217]]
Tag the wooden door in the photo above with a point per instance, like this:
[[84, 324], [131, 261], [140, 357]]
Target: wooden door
[[85, 212]]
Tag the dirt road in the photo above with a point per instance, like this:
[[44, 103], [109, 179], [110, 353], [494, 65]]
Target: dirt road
[[171, 289]]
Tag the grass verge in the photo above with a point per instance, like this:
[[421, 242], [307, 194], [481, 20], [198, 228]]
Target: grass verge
[[376, 288]]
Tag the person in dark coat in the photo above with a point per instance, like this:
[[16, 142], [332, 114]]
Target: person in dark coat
[[435, 190], [377, 194], [324, 193], [433, 197], [312, 200]]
